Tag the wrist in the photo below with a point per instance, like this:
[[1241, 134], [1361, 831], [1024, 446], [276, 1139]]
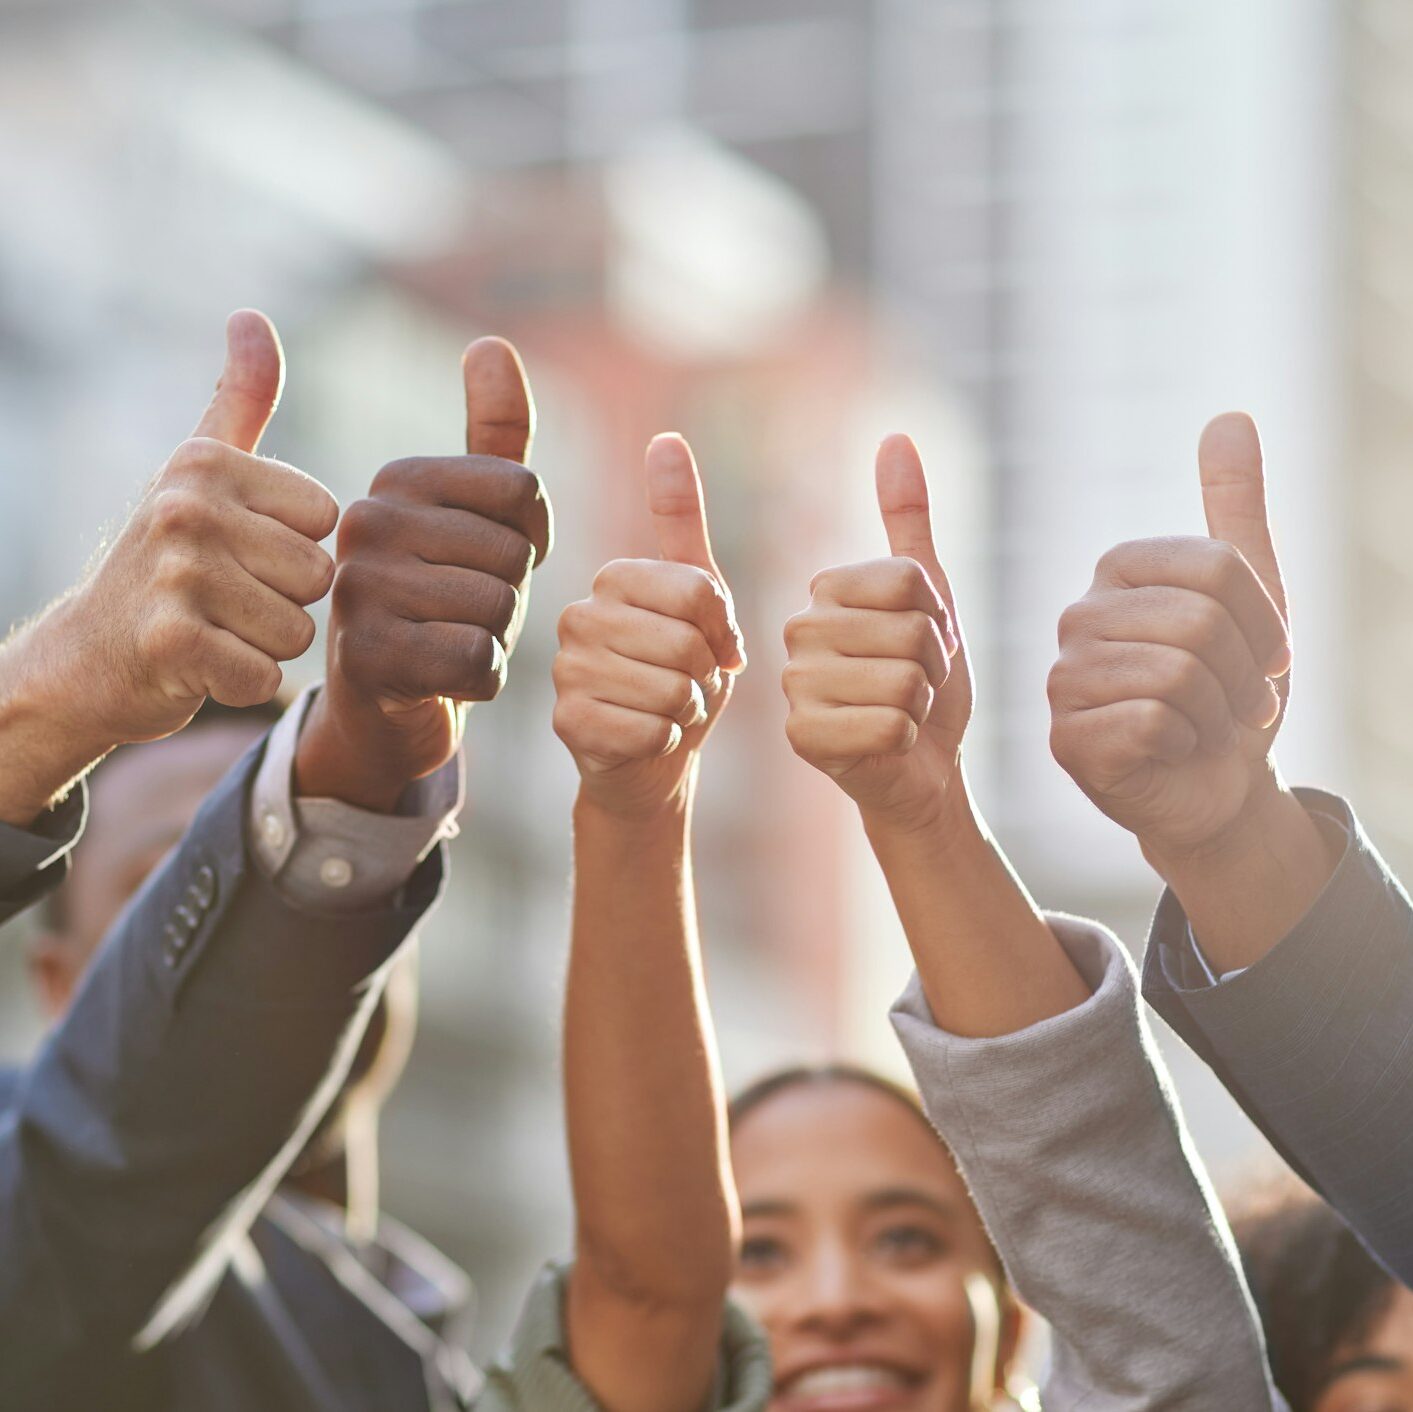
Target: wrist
[[1270, 809], [1245, 891], [340, 757], [50, 731], [944, 810], [642, 821]]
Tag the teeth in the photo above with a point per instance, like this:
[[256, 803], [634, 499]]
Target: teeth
[[850, 1377]]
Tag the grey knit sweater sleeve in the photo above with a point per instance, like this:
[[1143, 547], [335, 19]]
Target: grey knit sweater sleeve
[[1070, 1139]]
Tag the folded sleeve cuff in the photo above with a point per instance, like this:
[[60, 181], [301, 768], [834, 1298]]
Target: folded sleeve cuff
[[1070, 1139], [534, 1373]]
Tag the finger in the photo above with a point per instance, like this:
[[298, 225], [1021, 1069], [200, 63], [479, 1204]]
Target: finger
[[1177, 617], [906, 506], [249, 387], [608, 734], [237, 674], [680, 591], [843, 735], [432, 534], [460, 661], [1214, 568], [267, 487], [888, 585], [492, 488], [292, 564], [1113, 672], [1233, 476], [638, 633], [1111, 749], [252, 611], [500, 412], [676, 503], [868, 632], [430, 593], [860, 681], [641, 686], [678, 509]]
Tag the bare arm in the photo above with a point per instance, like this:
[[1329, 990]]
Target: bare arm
[[641, 678], [880, 696]]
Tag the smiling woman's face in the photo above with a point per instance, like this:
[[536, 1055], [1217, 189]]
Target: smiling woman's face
[[863, 1258], [1374, 1373]]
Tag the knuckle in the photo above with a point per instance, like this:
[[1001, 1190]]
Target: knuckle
[[575, 622], [897, 732], [798, 629], [793, 679], [401, 474], [1073, 621], [179, 513], [800, 732], [363, 523], [354, 585], [608, 578], [198, 455]]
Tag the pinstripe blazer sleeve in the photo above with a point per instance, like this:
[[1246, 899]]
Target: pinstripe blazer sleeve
[[1315, 1041]]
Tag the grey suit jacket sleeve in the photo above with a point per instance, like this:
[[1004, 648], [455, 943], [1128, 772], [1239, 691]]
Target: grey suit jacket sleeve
[[33, 861], [1069, 1136], [210, 1032], [1315, 1041]]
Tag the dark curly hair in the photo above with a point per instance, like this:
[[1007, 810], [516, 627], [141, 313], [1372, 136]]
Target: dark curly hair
[[1316, 1287]]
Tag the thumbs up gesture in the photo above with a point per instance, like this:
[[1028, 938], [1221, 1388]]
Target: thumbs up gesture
[[430, 596], [878, 681], [202, 592], [1172, 679], [646, 662]]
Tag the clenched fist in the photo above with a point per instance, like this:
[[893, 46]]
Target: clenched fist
[[646, 662], [202, 592], [1172, 678], [430, 595], [878, 682]]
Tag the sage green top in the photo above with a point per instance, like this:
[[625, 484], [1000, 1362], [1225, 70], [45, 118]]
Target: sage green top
[[533, 1374]]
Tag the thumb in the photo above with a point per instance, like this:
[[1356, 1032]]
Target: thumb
[[679, 520], [675, 499], [500, 412], [250, 384], [907, 508], [1234, 496]]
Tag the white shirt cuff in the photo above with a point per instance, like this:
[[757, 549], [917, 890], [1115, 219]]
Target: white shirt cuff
[[326, 854]]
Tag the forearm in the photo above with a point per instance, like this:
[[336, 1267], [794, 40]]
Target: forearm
[[1250, 888], [42, 749], [652, 1186], [988, 962]]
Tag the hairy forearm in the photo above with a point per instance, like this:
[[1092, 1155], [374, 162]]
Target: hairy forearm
[[46, 740], [1249, 889], [652, 1186], [988, 963]]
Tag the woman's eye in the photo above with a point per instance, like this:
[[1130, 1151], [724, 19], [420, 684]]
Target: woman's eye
[[761, 1253], [911, 1244]]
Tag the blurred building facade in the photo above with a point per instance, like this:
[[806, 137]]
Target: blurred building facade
[[1050, 239]]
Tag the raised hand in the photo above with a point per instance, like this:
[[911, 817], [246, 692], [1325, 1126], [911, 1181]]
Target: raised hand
[[646, 662], [201, 593], [1172, 680], [878, 682], [430, 595]]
